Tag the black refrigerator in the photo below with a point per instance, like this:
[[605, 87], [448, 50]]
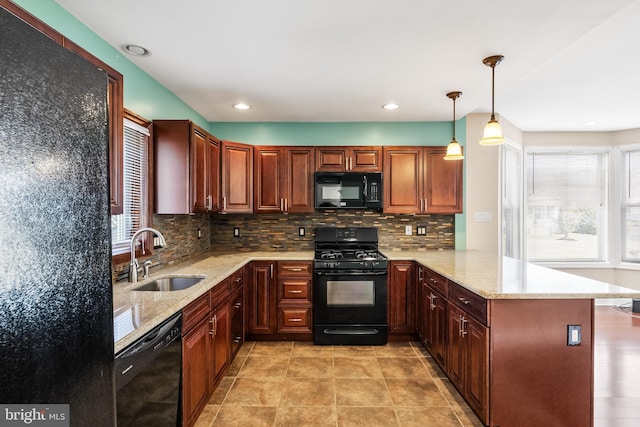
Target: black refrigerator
[[56, 316]]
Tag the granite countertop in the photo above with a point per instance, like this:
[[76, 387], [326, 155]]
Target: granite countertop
[[136, 313], [498, 277], [488, 275]]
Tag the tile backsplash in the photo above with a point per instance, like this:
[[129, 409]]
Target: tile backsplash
[[280, 232]]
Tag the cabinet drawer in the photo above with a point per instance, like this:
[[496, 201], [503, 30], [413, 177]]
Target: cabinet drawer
[[294, 268], [220, 292], [195, 312], [294, 320], [237, 279], [437, 282], [472, 303], [295, 290]]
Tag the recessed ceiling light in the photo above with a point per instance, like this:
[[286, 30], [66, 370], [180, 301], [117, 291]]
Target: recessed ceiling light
[[241, 106], [391, 106], [134, 49]]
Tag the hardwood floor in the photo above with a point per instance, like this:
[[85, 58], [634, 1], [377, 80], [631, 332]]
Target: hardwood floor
[[617, 367]]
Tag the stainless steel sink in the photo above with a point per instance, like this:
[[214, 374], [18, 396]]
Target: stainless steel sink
[[170, 283]]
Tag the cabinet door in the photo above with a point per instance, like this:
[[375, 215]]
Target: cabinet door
[[331, 159], [438, 328], [402, 301], [297, 180], [237, 177], [443, 181], [402, 184], [365, 159], [171, 145], [196, 349], [268, 195], [221, 341], [199, 154], [237, 321], [477, 385], [261, 302], [213, 174], [456, 359]]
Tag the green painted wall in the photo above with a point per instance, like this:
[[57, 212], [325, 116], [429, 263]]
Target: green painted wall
[[147, 97], [142, 93]]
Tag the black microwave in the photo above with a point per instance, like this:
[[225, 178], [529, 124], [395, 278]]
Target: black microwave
[[348, 190]]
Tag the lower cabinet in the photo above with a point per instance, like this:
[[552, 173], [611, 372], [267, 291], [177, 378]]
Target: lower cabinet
[[207, 345], [435, 325], [402, 298], [468, 356], [279, 300]]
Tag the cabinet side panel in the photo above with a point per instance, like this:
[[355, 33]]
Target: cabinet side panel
[[535, 378]]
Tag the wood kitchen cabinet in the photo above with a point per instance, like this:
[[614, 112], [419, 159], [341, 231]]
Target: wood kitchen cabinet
[[205, 349], [262, 298], [294, 298], [237, 311], [186, 168], [349, 159], [402, 298], [283, 179], [237, 177], [434, 316], [468, 350], [419, 180], [279, 301]]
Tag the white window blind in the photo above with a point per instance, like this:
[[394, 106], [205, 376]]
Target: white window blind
[[566, 206], [123, 226], [631, 206]]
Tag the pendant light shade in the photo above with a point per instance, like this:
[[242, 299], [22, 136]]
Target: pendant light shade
[[454, 150], [492, 130]]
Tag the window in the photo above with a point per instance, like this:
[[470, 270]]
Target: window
[[511, 201], [566, 205], [630, 201], [135, 183]]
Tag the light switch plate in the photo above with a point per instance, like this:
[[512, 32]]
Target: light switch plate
[[574, 335], [236, 232], [408, 230], [301, 231], [422, 230]]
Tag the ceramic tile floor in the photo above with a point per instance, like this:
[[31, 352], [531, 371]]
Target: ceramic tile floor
[[298, 384]]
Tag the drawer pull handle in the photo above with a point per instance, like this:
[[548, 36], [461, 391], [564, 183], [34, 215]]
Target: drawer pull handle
[[238, 279], [237, 305], [464, 300], [237, 339], [294, 291], [296, 319], [293, 268]]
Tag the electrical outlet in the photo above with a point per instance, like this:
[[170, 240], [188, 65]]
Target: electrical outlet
[[408, 230], [574, 335], [236, 232], [301, 231]]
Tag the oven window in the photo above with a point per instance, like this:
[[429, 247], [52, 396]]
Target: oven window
[[340, 192], [351, 292]]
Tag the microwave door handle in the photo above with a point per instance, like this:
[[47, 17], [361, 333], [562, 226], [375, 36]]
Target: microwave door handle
[[364, 192]]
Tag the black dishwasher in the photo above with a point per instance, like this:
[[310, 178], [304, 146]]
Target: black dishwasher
[[148, 378]]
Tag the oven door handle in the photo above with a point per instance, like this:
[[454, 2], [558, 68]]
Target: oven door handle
[[351, 273]]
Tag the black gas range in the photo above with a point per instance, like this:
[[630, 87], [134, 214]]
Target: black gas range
[[349, 287], [354, 248]]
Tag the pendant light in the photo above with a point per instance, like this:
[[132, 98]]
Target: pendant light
[[492, 130], [454, 150]]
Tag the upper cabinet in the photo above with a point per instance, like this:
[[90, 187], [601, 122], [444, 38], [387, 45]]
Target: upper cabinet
[[348, 159], [283, 179], [419, 180], [186, 168], [237, 177]]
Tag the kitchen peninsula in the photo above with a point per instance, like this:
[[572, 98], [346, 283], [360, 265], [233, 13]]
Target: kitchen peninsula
[[517, 339]]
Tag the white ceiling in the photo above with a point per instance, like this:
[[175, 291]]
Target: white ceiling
[[566, 63]]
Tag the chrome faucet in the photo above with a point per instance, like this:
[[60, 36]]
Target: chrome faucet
[[134, 265]]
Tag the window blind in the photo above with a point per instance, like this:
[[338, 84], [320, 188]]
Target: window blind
[[135, 172]]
